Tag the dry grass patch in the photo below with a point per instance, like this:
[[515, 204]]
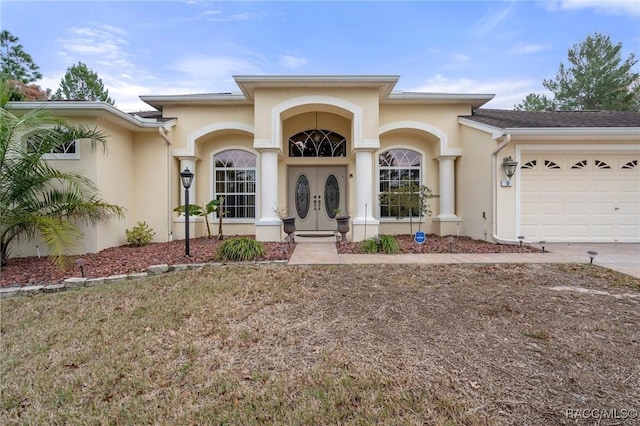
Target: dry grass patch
[[387, 344]]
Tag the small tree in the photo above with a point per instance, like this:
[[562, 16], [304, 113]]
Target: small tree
[[82, 83], [408, 199], [213, 206]]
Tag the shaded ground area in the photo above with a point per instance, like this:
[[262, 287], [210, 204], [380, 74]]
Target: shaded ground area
[[386, 344]]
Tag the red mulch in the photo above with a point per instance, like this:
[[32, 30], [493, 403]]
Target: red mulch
[[436, 244], [123, 260], [129, 259]]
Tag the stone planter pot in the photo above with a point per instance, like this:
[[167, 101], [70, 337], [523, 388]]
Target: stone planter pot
[[289, 226], [343, 226]]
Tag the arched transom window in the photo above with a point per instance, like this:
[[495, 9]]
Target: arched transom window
[[317, 143], [398, 169], [235, 180]]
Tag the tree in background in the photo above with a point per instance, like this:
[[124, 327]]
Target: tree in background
[[596, 79], [81, 83], [18, 70], [37, 199], [16, 63]]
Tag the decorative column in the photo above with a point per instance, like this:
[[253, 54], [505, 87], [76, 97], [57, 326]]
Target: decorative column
[[364, 224], [268, 225], [446, 223]]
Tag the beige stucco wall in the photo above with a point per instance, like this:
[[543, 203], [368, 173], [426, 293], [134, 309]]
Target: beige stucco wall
[[473, 183], [150, 198], [116, 178]]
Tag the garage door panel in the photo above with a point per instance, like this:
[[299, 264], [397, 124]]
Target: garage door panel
[[589, 198]]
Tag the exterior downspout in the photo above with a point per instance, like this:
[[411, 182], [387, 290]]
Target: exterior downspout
[[163, 134], [494, 192]]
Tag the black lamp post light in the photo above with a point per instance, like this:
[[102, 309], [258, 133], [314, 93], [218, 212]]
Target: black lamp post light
[[187, 178], [592, 255]]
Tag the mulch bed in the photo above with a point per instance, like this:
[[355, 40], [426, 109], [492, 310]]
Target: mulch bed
[[436, 244], [129, 259]]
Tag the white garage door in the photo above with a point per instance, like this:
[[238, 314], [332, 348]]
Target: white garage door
[[580, 198]]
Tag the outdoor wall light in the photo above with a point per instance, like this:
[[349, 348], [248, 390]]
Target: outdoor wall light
[[187, 178], [592, 254], [509, 166]]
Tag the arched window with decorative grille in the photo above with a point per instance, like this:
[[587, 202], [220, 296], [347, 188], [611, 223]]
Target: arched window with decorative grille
[[235, 180], [398, 168], [317, 143]]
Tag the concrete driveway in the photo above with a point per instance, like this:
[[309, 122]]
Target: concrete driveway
[[621, 257]]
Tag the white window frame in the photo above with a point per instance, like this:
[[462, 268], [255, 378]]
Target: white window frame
[[65, 156], [387, 219], [212, 180]]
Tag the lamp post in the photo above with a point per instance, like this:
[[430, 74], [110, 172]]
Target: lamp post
[[187, 177]]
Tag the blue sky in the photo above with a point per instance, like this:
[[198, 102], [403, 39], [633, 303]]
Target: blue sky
[[192, 46]]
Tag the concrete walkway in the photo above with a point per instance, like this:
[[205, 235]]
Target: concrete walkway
[[623, 257]]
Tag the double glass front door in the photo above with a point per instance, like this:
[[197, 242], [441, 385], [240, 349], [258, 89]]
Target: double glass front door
[[315, 196]]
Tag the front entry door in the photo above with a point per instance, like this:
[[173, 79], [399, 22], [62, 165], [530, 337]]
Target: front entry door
[[315, 195]]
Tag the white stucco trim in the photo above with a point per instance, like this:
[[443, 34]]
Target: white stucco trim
[[278, 110], [212, 189], [208, 129], [428, 128], [562, 149]]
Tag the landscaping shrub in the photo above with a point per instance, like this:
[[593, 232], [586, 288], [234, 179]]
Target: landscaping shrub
[[241, 249], [385, 244], [140, 235]]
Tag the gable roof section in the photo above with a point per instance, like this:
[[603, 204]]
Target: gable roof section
[[558, 123]]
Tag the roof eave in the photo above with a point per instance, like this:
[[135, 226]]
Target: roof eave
[[475, 100], [554, 132], [159, 101], [80, 108], [383, 83]]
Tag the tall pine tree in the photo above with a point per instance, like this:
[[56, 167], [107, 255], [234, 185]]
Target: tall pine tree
[[81, 83], [597, 78]]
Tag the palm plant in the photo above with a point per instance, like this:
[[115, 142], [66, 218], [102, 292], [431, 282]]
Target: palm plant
[[36, 199]]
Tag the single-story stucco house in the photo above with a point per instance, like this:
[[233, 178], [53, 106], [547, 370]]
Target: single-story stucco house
[[313, 145]]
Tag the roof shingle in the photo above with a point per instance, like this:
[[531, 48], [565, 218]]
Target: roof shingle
[[553, 119]]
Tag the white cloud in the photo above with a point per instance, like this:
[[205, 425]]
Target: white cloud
[[525, 49], [509, 92], [211, 70], [103, 41], [489, 22], [615, 7], [460, 57], [292, 62]]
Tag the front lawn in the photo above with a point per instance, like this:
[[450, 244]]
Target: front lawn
[[373, 344]]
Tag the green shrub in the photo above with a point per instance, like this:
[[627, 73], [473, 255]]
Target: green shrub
[[384, 243], [241, 249], [140, 235]]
